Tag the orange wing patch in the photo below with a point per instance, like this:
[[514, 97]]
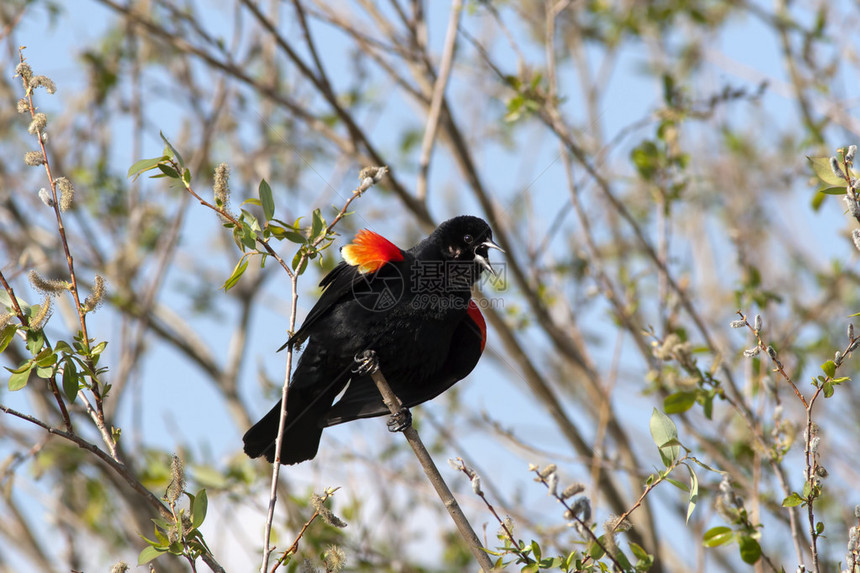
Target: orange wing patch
[[369, 251], [479, 321]]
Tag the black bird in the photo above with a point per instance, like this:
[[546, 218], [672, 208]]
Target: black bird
[[413, 308]]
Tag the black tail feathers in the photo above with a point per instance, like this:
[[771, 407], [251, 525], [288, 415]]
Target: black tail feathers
[[301, 435]]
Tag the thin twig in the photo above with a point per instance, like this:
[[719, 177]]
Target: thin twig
[[15, 306], [471, 474], [438, 97]]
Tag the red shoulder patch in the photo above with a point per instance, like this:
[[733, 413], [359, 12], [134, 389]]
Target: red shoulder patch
[[368, 251], [478, 318]]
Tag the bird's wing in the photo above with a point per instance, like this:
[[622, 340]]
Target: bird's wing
[[364, 259], [362, 399]]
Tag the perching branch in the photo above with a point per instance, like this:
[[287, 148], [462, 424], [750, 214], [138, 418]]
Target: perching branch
[[368, 359]]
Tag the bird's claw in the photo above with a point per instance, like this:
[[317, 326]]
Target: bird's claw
[[366, 363], [400, 421]]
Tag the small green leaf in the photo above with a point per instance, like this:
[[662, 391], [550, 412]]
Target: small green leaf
[[680, 485], [717, 536], [596, 549], [46, 358], [646, 157], [694, 492], [318, 224], [821, 167], [172, 149], [295, 237], [148, 554], [62, 347], [827, 190], [6, 336], [19, 379], [186, 177], [750, 549], [98, 348], [829, 368], [792, 500], [827, 388], [35, 340], [266, 199], [45, 372], [168, 170], [679, 402], [198, 508], [663, 431], [144, 165], [236, 274], [70, 380]]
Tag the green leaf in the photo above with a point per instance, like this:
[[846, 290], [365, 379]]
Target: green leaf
[[295, 237], [6, 336], [45, 372], [694, 492], [821, 167], [70, 380], [679, 402], [680, 485], [750, 549], [46, 358], [266, 199], [318, 224], [172, 149], [646, 158], [792, 500], [817, 201], [299, 259], [248, 237], [144, 165], [148, 554], [62, 347], [827, 387], [663, 431], [829, 368], [35, 340], [168, 170], [596, 549], [717, 536], [827, 190], [19, 379], [236, 274], [198, 508], [186, 177]]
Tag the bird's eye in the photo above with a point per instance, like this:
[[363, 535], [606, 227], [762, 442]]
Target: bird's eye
[[468, 239]]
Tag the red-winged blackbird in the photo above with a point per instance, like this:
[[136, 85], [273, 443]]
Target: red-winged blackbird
[[413, 308]]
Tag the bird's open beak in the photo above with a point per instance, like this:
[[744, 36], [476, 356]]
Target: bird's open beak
[[484, 261]]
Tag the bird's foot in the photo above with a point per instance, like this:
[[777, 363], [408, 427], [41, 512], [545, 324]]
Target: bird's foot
[[366, 362], [400, 421]]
